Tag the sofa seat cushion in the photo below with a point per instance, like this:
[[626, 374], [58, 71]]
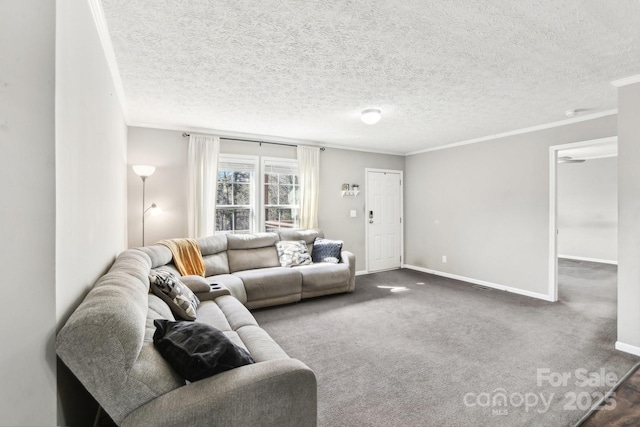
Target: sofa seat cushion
[[274, 282], [261, 346], [225, 313], [322, 276]]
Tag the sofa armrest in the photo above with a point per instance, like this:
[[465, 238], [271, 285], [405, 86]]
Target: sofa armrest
[[214, 292], [350, 259], [280, 392]]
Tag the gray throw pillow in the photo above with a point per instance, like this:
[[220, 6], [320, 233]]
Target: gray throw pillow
[[325, 250], [293, 253], [177, 295]]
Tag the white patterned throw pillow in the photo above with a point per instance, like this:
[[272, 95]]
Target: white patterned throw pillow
[[293, 253]]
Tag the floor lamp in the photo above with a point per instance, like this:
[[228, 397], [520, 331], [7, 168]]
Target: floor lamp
[[144, 171]]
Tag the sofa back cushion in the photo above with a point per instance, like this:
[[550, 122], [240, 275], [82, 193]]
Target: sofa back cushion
[[309, 236], [158, 254], [103, 342], [214, 254], [251, 251]]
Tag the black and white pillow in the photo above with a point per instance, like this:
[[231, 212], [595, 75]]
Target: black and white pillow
[[182, 301], [293, 252], [325, 250]]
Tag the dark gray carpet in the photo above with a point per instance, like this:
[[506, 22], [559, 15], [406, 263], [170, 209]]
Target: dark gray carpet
[[385, 356]]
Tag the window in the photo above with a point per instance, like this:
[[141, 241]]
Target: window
[[281, 195], [239, 206], [235, 196]]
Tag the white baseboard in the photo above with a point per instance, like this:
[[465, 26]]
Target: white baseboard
[[580, 258], [481, 282], [361, 272], [627, 348]]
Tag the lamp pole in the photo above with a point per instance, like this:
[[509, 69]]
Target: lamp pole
[[144, 181], [143, 171]]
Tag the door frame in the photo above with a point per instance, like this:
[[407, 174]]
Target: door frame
[[366, 217], [553, 207]]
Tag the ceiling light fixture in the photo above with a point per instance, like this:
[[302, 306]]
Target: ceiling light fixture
[[570, 113], [371, 116]]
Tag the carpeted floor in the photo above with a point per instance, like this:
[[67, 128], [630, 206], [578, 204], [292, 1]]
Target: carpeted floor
[[444, 353]]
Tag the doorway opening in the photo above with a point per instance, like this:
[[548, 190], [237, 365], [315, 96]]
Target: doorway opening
[[580, 223]]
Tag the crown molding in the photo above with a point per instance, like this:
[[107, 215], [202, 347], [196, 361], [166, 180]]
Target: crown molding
[[626, 81], [252, 136], [105, 39], [518, 131], [225, 133]]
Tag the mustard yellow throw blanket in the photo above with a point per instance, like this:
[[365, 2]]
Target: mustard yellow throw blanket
[[186, 256]]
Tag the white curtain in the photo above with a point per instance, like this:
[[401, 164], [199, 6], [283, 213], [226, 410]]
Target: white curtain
[[203, 177], [309, 178]]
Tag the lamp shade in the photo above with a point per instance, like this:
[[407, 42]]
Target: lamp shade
[[371, 116], [154, 210], [144, 170]]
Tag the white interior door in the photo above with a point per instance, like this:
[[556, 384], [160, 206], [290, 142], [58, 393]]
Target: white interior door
[[384, 220]]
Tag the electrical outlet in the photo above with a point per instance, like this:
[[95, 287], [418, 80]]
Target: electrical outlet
[[352, 213], [444, 259]]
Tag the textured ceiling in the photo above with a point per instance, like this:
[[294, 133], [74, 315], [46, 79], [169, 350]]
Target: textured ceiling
[[440, 71]]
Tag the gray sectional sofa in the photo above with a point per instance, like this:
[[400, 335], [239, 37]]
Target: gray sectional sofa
[[248, 265], [108, 341]]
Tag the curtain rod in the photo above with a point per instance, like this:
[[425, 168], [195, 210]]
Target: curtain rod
[[185, 134]]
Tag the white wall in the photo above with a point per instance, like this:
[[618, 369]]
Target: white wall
[[588, 209], [347, 166], [486, 206], [167, 150], [91, 191], [27, 206], [629, 217], [167, 187]]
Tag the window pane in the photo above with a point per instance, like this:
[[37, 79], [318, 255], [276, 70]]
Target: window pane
[[277, 218], [224, 196], [241, 194], [286, 179], [287, 195], [272, 194], [242, 220], [270, 178], [242, 176], [223, 220], [233, 219]]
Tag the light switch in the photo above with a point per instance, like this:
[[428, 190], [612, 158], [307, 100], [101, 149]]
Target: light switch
[[352, 213]]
